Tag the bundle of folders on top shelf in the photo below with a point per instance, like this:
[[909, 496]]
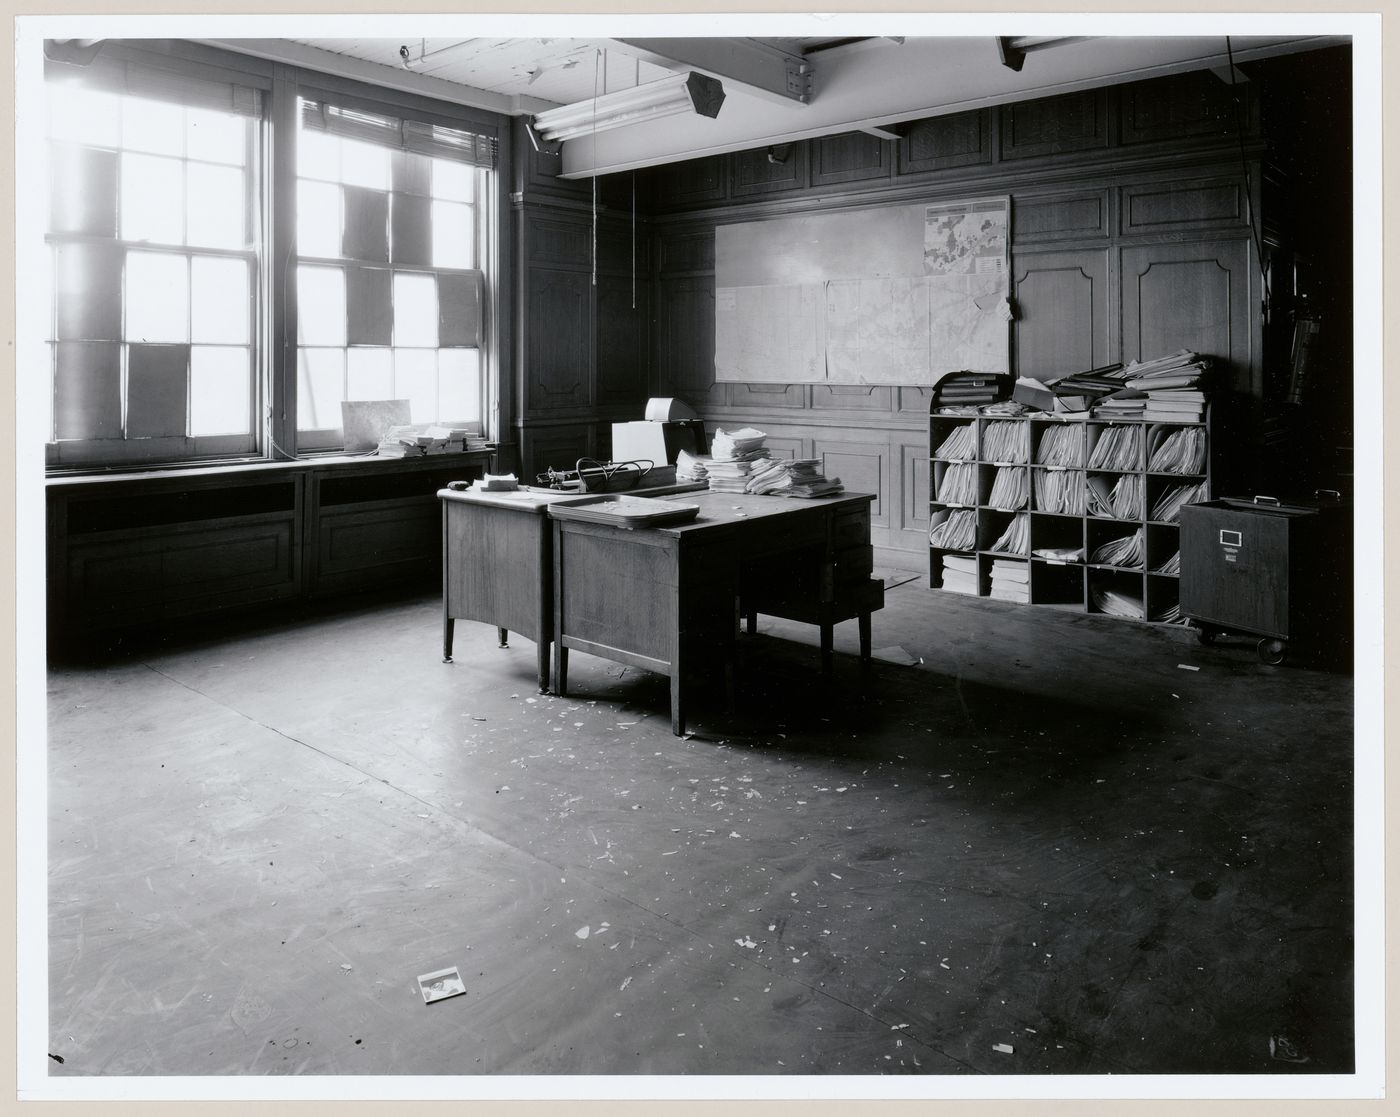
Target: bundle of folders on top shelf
[[740, 463], [1164, 390]]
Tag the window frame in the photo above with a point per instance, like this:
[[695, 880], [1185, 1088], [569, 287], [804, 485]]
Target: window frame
[[273, 317]]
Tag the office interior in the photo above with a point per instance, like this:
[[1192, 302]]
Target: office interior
[[929, 833]]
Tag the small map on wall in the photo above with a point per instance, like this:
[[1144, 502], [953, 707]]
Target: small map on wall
[[887, 295]]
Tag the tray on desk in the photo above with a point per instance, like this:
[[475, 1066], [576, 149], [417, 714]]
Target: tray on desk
[[621, 510]]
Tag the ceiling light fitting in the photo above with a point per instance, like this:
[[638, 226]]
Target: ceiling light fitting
[[680, 93]]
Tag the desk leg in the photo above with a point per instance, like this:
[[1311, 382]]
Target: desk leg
[[447, 626], [864, 622], [677, 709], [561, 670], [542, 662], [826, 647], [503, 635]]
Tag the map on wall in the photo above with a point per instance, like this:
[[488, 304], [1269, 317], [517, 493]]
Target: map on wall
[[887, 295]]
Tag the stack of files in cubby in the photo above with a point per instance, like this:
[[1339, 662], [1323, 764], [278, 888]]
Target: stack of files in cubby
[[1171, 566], [957, 533], [1061, 445], [958, 485], [1122, 502], [1125, 404], [1174, 405], [959, 445], [960, 573], [791, 477], [1010, 490], [1004, 441], [1016, 539], [1060, 491], [1011, 580], [1127, 551], [1181, 451], [1170, 615], [1116, 603], [1118, 448], [1168, 508]]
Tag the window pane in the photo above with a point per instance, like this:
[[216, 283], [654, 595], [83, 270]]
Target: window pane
[[220, 390], [153, 126], [318, 219], [84, 115], [216, 136], [157, 383], [218, 301], [216, 206], [415, 379], [320, 380], [459, 384], [454, 181], [83, 190], [363, 164], [453, 245], [415, 309], [153, 199], [369, 374], [157, 297], [318, 155], [320, 306], [88, 389]]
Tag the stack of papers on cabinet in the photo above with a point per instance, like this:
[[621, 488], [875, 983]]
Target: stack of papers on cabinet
[[960, 574], [1011, 580]]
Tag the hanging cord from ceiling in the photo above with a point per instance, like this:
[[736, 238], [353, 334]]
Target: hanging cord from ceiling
[[597, 56], [1248, 178]]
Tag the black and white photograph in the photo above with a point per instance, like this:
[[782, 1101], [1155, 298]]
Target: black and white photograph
[[674, 557]]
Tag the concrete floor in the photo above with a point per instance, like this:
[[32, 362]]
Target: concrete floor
[[1048, 835]]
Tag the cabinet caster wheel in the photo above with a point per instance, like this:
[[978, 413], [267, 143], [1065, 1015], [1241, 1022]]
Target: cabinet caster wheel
[[1205, 635], [1272, 652], [447, 659]]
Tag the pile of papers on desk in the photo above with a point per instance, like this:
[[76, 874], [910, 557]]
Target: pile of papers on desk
[[792, 477], [691, 467], [732, 454], [413, 440]]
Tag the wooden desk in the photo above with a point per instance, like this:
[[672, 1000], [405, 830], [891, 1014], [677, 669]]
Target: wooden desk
[[666, 599], [498, 567]]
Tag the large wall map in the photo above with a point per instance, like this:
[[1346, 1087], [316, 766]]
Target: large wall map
[[882, 295]]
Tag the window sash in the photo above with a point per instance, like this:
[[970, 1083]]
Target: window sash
[[438, 140]]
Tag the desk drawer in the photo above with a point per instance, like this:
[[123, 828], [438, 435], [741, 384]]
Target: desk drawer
[[854, 564], [850, 529]]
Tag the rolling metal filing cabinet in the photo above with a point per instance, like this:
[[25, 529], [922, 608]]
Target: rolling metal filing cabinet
[[1279, 571]]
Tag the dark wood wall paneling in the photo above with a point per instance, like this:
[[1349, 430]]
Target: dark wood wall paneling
[[1130, 238]]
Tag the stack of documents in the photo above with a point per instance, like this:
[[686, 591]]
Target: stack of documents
[[1011, 580], [791, 477], [691, 467], [1062, 445], [1011, 489], [1118, 448], [1180, 451], [957, 533], [1168, 508], [496, 483], [1116, 603], [959, 445], [1016, 539], [1170, 615], [727, 476], [743, 445], [1126, 404], [1169, 387], [958, 485], [1004, 442], [960, 574], [1171, 566], [1122, 502], [1061, 491], [1127, 551]]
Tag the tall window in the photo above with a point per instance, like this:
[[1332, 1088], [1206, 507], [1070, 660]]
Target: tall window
[[391, 219], [153, 241]]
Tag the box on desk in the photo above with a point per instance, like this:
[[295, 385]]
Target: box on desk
[[645, 440]]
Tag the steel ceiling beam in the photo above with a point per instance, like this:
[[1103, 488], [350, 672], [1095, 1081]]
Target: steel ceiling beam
[[759, 69]]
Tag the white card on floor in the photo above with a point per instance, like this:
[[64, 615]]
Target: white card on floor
[[440, 984]]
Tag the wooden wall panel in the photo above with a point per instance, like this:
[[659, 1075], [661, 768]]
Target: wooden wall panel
[[851, 157], [1173, 205], [1197, 296], [909, 526], [558, 340], [559, 448], [863, 468], [1055, 125], [685, 349], [1194, 105], [622, 362], [686, 252], [559, 241], [1036, 220], [771, 170], [768, 396], [852, 397], [1062, 312], [957, 140]]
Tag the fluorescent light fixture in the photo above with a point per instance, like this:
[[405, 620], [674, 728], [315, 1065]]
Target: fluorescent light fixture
[[680, 93]]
